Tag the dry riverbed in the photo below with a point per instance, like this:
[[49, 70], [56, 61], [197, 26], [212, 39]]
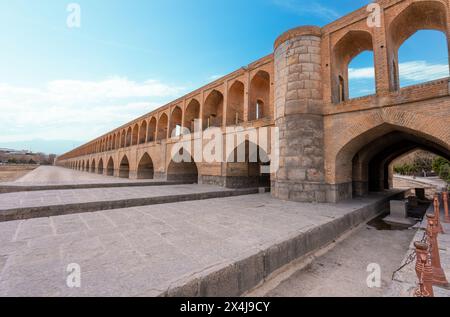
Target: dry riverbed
[[9, 173]]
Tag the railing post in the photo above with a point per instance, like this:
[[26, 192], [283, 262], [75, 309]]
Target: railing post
[[432, 232], [424, 271]]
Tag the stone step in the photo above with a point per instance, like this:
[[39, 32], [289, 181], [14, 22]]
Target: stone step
[[4, 189], [41, 209]]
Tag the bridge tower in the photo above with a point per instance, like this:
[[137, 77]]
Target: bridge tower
[[299, 118]]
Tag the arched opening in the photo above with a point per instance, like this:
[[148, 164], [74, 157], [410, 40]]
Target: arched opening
[[100, 167], [93, 166], [143, 132], [145, 168], [361, 73], [124, 168], [151, 133], [82, 167], [135, 135], [114, 142], [413, 66], [110, 167], [258, 107], [162, 127], [123, 139], [88, 169], [364, 162], [175, 122], [213, 110], [235, 108], [191, 114], [361, 76], [416, 163], [129, 137], [248, 166], [185, 171]]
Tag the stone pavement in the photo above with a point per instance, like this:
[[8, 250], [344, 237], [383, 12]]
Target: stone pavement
[[217, 247], [405, 281]]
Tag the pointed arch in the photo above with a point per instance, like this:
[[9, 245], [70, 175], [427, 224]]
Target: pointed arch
[[191, 114], [175, 122], [235, 107], [145, 168], [351, 45], [213, 110], [143, 132], [110, 167], [259, 96], [100, 167], [419, 15], [129, 137], [162, 127], [135, 135], [124, 168], [151, 130], [93, 166]]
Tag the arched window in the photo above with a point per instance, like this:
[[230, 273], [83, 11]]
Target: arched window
[[135, 136], [258, 107], [175, 122], [151, 130], [143, 132], [192, 113], [213, 110], [353, 63], [123, 139], [417, 44], [418, 63], [162, 127], [129, 137], [235, 108]]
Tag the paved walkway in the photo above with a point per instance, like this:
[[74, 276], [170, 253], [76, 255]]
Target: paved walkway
[[436, 182], [212, 247], [54, 175]]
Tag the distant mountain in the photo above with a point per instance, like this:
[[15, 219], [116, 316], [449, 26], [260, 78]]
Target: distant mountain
[[45, 146]]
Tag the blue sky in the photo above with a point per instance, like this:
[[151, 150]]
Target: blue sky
[[60, 86]]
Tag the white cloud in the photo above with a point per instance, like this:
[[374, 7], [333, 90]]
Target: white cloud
[[361, 73], [423, 71], [414, 71], [304, 8], [77, 110]]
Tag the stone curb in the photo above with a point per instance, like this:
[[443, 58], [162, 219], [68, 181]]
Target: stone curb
[[58, 210], [5, 189]]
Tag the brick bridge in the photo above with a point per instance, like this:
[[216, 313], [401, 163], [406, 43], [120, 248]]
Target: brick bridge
[[331, 147]]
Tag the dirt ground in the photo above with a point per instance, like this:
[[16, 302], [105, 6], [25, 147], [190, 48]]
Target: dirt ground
[[10, 173]]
